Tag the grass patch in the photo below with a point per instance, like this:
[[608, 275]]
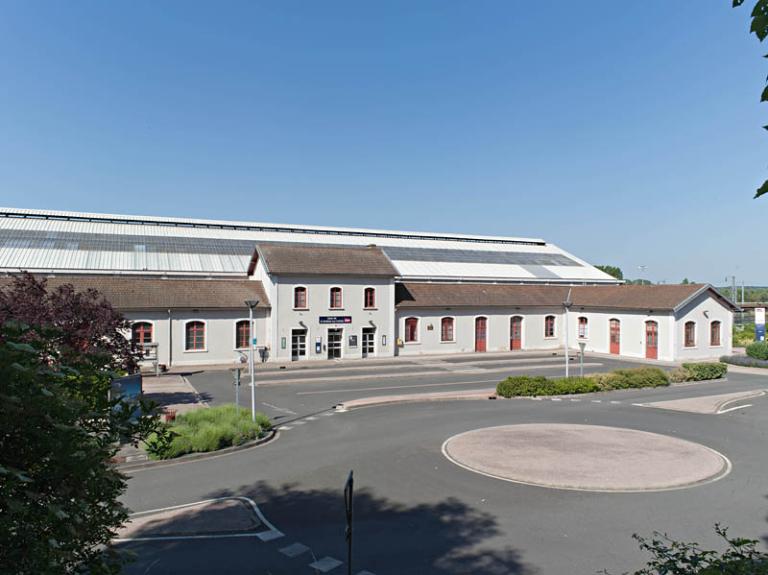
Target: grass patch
[[205, 430], [528, 386]]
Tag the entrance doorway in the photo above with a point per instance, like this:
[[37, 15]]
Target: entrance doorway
[[516, 333], [651, 340], [615, 337], [335, 338], [369, 341], [298, 344], [481, 333]]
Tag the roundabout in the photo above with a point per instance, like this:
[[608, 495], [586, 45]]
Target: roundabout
[[586, 457]]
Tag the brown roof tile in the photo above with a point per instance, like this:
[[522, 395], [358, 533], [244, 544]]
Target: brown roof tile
[[630, 297], [293, 259], [126, 292]]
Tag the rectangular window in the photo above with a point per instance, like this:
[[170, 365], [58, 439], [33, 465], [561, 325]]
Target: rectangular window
[[300, 298], [714, 333], [446, 329], [242, 334], [583, 327], [411, 330], [335, 297], [195, 332], [549, 326], [690, 334], [370, 298]]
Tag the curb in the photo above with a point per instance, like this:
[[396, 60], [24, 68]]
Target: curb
[[133, 466]]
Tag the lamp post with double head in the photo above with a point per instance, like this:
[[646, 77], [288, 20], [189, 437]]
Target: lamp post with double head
[[251, 303]]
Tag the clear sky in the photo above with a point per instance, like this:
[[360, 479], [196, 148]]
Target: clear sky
[[626, 132]]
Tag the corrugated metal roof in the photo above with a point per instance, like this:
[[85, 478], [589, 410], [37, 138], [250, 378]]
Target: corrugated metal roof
[[40, 240]]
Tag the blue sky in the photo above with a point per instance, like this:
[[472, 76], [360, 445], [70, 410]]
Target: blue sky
[[628, 133]]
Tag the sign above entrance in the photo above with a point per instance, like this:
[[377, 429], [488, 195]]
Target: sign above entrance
[[335, 319]]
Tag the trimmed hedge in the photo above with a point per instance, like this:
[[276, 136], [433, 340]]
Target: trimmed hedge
[[534, 386], [744, 361], [698, 371], [758, 350], [208, 430]]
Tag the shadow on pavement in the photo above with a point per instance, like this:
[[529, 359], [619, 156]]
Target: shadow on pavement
[[443, 538]]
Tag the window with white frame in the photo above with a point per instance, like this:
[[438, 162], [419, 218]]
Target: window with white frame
[[335, 302], [141, 333], [583, 328], [194, 339], [447, 329]]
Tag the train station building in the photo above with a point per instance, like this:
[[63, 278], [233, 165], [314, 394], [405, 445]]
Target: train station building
[[190, 288]]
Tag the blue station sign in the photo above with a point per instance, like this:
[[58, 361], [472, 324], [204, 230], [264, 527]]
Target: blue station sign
[[335, 319]]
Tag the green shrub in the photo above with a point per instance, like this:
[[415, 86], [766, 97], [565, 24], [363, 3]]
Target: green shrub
[[635, 378], [744, 335], [679, 375], [705, 370], [571, 385], [205, 430], [744, 361], [758, 350], [522, 385]]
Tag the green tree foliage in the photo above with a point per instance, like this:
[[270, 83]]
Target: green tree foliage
[[59, 429], [612, 271], [670, 557], [759, 28]]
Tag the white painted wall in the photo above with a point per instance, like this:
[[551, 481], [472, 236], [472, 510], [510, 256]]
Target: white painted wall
[[498, 329], [703, 310], [219, 336], [285, 318]]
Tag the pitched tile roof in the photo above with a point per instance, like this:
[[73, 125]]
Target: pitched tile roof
[[628, 297], [293, 259], [127, 292]]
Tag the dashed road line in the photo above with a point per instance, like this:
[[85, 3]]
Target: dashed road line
[[325, 564], [294, 550]]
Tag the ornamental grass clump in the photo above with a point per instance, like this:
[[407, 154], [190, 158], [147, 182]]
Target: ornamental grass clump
[[758, 350], [209, 429]]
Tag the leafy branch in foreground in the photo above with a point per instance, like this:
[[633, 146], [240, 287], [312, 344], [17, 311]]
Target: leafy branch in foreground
[[670, 557], [759, 28]]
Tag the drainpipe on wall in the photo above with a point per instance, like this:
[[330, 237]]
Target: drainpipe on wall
[[170, 339]]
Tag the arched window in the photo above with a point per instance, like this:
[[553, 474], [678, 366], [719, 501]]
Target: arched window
[[446, 329], [583, 327], [195, 336], [141, 333], [411, 329], [242, 334], [369, 298], [690, 334], [714, 333], [300, 297], [549, 326], [335, 297]]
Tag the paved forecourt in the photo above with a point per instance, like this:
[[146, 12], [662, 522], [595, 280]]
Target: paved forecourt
[[417, 512]]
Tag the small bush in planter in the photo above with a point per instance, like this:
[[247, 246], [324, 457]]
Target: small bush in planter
[[758, 350], [705, 370]]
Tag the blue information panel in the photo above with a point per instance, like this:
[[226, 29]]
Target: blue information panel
[[335, 319], [760, 324]]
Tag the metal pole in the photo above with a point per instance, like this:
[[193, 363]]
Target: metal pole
[[581, 363], [566, 343], [348, 497], [237, 392], [250, 366]]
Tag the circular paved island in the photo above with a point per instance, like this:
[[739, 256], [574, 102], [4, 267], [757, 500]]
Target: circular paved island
[[586, 457]]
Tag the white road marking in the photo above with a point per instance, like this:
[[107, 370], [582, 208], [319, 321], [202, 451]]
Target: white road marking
[[325, 564], [556, 398], [615, 402], [575, 400], [327, 414], [272, 533], [311, 418], [284, 428], [299, 423], [294, 550], [597, 401], [734, 408], [280, 409]]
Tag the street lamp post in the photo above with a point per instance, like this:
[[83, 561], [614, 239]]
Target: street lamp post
[[251, 303], [567, 306]]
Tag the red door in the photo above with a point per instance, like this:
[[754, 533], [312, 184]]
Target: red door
[[651, 340], [481, 333], [615, 336], [516, 333]]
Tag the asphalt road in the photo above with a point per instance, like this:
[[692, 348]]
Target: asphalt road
[[416, 512]]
